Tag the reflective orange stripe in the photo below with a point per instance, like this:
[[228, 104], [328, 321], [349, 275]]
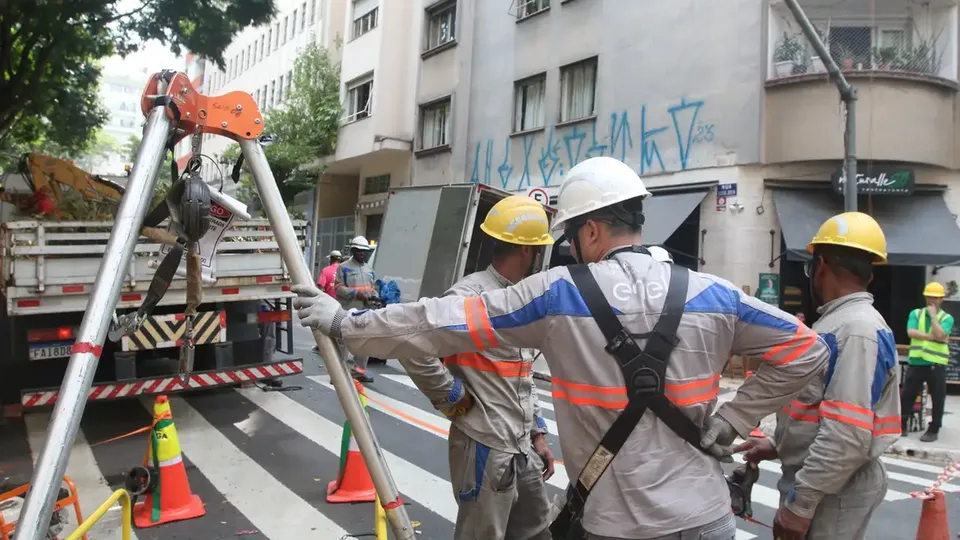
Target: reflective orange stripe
[[364, 288], [882, 425], [803, 412], [694, 392], [479, 362], [607, 397], [848, 414], [791, 350], [478, 323]]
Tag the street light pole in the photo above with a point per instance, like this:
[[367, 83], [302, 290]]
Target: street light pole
[[848, 94]]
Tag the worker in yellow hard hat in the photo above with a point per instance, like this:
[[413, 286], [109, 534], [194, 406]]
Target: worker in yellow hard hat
[[830, 439], [505, 496], [928, 328]]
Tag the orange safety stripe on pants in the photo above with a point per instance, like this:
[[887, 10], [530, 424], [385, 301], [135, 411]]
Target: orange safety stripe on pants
[[478, 323], [787, 352], [504, 368]]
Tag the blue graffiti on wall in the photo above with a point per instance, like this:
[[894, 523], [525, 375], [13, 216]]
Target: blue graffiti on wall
[[562, 150]]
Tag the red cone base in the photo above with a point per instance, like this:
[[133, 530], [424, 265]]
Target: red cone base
[[177, 503], [357, 486], [933, 519]]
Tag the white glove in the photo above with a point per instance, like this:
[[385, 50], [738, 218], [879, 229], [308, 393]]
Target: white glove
[[716, 436], [316, 308]]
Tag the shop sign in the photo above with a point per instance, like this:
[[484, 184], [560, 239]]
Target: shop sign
[[769, 289], [727, 190], [879, 180]]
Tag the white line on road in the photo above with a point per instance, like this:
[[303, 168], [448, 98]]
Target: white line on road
[[431, 491], [270, 506], [82, 468]]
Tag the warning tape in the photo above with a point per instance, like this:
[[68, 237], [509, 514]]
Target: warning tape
[[94, 445], [950, 472]]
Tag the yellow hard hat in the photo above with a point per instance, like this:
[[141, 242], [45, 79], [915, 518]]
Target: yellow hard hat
[[518, 220], [934, 290], [854, 230]]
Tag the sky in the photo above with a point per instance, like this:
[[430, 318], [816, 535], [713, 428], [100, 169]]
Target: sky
[[152, 56]]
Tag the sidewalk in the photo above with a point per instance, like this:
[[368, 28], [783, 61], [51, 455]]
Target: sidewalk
[[946, 449]]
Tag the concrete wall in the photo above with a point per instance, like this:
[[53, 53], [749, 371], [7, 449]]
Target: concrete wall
[[678, 87], [338, 195]]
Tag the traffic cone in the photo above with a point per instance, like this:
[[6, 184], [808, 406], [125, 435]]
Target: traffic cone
[[171, 499], [756, 433], [933, 519], [353, 483]]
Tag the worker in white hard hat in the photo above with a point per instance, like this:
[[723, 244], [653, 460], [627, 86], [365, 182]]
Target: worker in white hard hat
[[499, 456], [659, 337], [355, 285], [660, 254]]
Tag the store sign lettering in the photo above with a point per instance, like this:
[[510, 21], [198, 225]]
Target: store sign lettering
[[877, 181]]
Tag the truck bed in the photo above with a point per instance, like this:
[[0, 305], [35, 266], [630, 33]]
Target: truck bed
[[50, 267]]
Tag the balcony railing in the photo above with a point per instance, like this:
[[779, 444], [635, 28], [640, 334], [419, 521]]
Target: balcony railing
[[867, 36]]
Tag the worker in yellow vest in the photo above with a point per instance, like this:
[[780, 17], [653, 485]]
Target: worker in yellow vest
[[929, 329]]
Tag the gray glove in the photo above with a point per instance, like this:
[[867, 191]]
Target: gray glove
[[315, 308], [716, 436]]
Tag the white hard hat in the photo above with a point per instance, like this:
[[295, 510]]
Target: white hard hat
[[594, 184], [660, 254], [336, 253], [360, 242]]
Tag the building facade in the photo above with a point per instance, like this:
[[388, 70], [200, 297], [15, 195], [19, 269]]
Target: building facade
[[120, 92]]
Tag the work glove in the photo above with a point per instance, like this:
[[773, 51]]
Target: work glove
[[716, 436], [315, 308]]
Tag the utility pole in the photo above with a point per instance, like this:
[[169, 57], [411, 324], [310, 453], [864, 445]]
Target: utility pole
[[848, 94]]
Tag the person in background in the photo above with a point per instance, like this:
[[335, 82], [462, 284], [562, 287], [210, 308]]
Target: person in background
[[929, 330], [830, 438], [355, 286], [327, 278]]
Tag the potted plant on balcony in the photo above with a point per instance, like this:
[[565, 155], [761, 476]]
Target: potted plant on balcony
[[786, 55], [884, 58], [843, 56]]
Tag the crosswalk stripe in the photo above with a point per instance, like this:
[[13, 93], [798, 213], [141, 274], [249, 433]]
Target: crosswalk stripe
[[83, 469], [274, 509], [431, 491], [916, 466], [406, 381]]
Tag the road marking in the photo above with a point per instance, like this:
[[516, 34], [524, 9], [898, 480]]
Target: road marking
[[431, 491], [270, 506], [922, 482], [907, 464], [744, 535], [406, 381], [774, 467], [82, 468]]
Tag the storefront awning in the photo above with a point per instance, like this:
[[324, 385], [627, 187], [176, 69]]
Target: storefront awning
[[663, 215], [920, 229]]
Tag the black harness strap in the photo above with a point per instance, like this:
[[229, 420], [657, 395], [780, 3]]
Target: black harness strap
[[644, 372]]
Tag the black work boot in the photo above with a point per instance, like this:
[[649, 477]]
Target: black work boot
[[929, 436], [361, 375]]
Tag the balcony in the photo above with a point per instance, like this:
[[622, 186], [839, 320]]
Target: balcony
[[903, 61], [891, 39]]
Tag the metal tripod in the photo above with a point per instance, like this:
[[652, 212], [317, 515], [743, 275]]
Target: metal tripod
[[174, 110]]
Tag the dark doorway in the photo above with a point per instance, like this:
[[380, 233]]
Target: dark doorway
[[374, 227], [684, 243]]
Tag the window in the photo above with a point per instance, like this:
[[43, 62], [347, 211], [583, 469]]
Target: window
[[529, 95], [578, 84], [293, 27], [434, 125], [269, 41], [376, 184], [364, 17], [526, 8], [256, 96], [289, 82], [261, 47], [273, 86], [286, 21], [358, 99], [250, 53], [303, 16], [264, 95], [280, 90], [313, 11], [276, 41], [441, 25]]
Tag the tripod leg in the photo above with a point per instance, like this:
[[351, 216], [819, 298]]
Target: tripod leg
[[52, 462], [346, 391]]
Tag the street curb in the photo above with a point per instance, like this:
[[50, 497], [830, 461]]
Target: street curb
[[541, 375], [935, 454]]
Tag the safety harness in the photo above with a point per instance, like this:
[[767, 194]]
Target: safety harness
[[644, 373]]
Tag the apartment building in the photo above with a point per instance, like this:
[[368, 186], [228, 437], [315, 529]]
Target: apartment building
[[728, 114]]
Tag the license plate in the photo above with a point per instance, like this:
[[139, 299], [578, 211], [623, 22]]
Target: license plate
[[44, 352]]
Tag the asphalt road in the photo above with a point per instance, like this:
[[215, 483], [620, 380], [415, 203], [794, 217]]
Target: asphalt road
[[261, 461]]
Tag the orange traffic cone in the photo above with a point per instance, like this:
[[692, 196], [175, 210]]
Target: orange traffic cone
[[756, 433], [171, 499], [933, 519], [353, 483]]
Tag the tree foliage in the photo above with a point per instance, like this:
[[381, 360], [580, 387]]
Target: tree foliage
[[304, 127], [50, 52]]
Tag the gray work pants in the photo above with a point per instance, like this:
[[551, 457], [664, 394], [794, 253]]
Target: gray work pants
[[358, 361], [501, 496], [724, 528], [846, 515]]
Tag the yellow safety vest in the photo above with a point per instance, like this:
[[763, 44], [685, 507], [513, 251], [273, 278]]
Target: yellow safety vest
[[929, 351]]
